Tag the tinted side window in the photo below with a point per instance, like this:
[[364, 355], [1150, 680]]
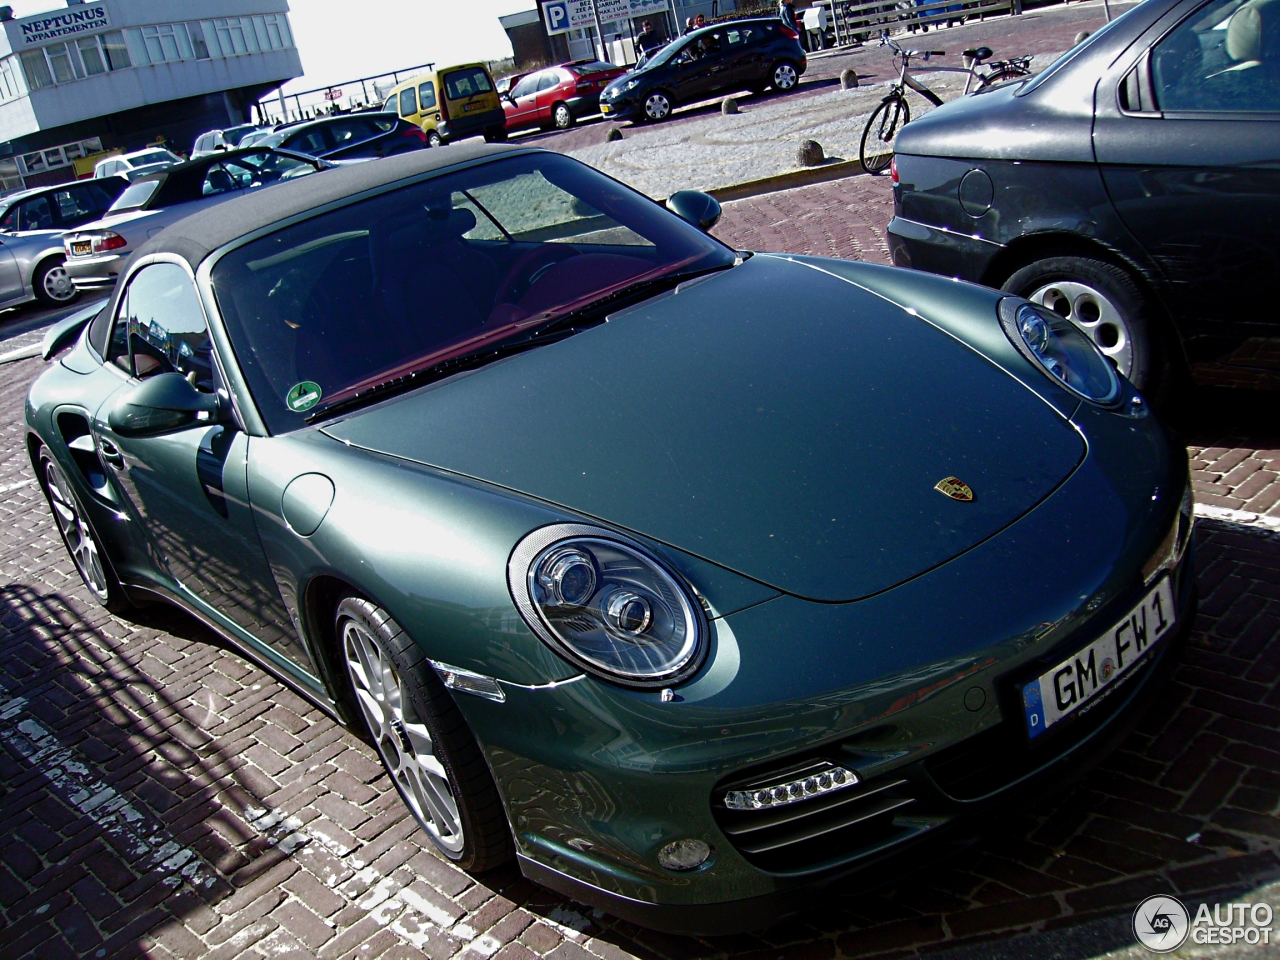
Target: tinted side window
[[102, 197], [166, 327], [354, 129], [548, 80], [526, 86], [75, 204], [10, 220], [427, 95], [308, 141], [1223, 58], [220, 178], [36, 214], [408, 102]]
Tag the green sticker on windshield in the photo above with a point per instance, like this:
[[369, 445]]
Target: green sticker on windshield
[[304, 396]]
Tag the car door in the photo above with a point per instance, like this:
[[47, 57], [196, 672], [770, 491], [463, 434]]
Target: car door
[[409, 105], [522, 105], [1187, 135], [548, 93], [748, 64], [698, 68], [428, 107], [11, 285], [187, 489]]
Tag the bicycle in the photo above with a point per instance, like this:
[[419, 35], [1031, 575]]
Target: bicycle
[[894, 111]]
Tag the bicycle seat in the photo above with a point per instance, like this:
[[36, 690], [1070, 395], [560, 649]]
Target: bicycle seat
[[978, 55]]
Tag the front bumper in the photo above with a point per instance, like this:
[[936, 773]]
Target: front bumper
[[914, 689], [624, 108], [92, 273], [472, 125]]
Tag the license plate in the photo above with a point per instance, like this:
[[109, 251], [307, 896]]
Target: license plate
[[471, 106], [80, 247], [605, 108], [1087, 674]]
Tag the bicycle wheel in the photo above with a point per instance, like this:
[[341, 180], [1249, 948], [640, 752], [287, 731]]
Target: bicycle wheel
[[1000, 76], [879, 132]]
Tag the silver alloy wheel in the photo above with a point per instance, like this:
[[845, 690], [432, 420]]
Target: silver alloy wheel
[[785, 76], [563, 117], [1095, 315], [657, 106], [57, 284], [80, 541], [433, 139], [401, 736]]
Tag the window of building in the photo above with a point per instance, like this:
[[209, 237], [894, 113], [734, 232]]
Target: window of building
[[198, 45], [113, 44], [232, 37], [91, 56], [50, 159], [36, 67], [9, 86], [60, 59]]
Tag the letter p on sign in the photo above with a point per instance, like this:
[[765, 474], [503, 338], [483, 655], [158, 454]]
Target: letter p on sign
[[556, 13]]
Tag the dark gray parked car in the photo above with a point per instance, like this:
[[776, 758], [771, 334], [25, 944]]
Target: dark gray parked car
[[1133, 187]]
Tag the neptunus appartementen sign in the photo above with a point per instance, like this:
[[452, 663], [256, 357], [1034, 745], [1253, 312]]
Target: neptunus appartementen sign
[[53, 26]]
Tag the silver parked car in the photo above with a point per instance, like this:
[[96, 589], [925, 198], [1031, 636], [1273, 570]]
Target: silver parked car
[[96, 252], [31, 268]]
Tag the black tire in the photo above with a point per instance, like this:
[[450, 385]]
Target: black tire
[[561, 116], [52, 285], [657, 106], [882, 126], [1110, 308], [783, 76], [1001, 77], [434, 139], [429, 726], [78, 536]]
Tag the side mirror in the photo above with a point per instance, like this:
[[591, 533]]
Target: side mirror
[[694, 206], [163, 403]]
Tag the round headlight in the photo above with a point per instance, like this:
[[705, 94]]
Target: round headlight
[[607, 605], [1058, 347]]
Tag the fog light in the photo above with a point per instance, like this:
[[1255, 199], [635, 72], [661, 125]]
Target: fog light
[[684, 855]]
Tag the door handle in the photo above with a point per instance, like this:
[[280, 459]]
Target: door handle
[[111, 453]]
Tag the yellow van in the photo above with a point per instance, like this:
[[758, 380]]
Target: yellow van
[[451, 104]]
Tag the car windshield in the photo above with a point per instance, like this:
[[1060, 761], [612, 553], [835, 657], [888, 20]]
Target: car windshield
[[152, 156], [135, 195], [669, 52], [597, 66], [270, 140], [437, 270], [236, 134], [460, 84]]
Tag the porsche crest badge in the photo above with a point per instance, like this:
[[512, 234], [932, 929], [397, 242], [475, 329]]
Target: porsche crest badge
[[955, 488]]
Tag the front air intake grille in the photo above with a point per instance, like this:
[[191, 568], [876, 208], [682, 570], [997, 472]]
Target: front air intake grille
[[812, 830]]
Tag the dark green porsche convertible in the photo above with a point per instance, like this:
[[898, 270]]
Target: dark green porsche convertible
[[694, 579]]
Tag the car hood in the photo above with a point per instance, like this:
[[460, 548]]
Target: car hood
[[771, 418]]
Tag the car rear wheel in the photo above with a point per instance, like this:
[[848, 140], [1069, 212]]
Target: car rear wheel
[[434, 139], [422, 738], [80, 540], [52, 283], [657, 106], [784, 77], [1108, 307], [562, 116]]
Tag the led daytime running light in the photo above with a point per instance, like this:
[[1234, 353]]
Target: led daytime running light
[[814, 785]]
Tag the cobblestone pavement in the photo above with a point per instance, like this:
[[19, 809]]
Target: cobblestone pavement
[[163, 797]]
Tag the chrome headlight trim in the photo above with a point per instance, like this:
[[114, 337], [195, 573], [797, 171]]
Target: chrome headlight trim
[[1008, 309], [520, 571]]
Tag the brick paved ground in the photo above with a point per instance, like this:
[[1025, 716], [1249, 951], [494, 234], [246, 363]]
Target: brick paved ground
[[163, 797]]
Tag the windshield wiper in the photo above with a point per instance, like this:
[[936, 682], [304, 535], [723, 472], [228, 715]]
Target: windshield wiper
[[554, 330]]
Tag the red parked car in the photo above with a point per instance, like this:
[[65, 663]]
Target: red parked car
[[558, 96]]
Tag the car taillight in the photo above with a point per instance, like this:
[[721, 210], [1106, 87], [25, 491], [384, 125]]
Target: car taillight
[[105, 242], [789, 33], [415, 131], [584, 87], [893, 169], [444, 109]]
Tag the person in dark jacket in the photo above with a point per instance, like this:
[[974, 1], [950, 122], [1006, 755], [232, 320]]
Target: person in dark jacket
[[648, 41], [787, 14]]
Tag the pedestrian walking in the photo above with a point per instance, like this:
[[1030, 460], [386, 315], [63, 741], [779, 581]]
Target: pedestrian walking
[[787, 14]]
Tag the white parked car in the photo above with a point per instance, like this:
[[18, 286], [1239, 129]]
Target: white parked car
[[229, 139], [136, 164]]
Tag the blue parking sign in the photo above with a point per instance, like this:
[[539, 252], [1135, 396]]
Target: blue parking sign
[[556, 15]]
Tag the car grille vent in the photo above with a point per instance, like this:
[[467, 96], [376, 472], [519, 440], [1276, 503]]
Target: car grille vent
[[810, 831]]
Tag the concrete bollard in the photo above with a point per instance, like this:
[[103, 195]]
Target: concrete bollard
[[613, 135], [848, 79], [1081, 37], [728, 106], [810, 153]]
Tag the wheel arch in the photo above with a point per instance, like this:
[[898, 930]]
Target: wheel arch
[[318, 608], [1027, 249]]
